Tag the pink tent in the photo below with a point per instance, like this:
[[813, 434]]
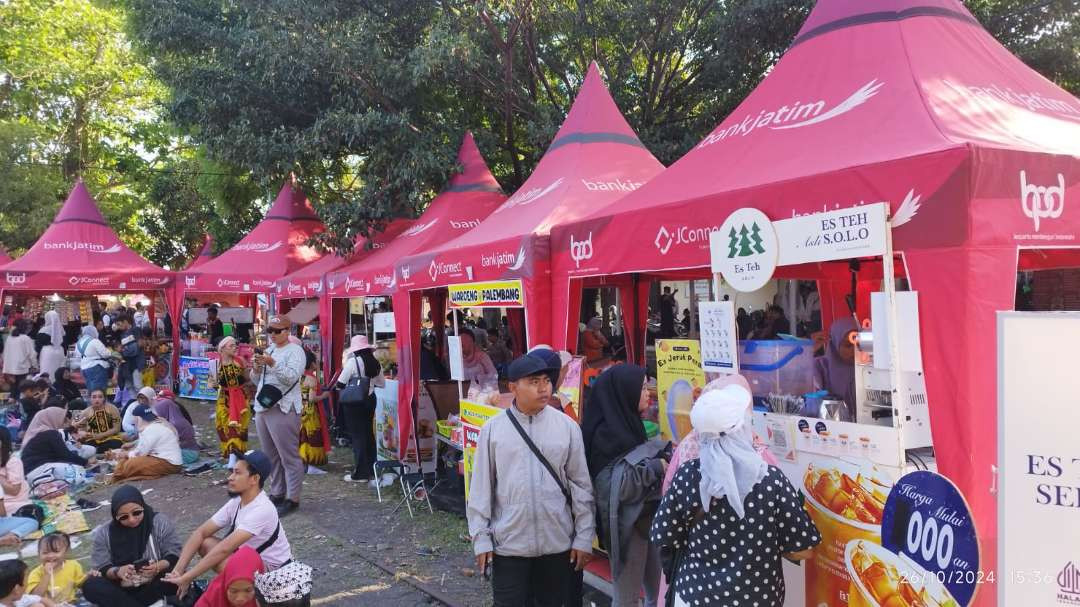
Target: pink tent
[[206, 253], [80, 253], [467, 200], [275, 248], [594, 159], [911, 103], [309, 281]]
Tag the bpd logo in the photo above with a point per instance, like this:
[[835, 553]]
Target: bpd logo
[[15, 279], [581, 250], [1042, 202], [189, 281], [406, 271]]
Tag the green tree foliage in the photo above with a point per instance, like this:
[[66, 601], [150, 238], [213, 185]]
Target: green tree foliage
[[366, 101], [77, 101]]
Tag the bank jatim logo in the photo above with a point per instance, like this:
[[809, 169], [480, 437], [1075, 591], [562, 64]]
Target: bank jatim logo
[[581, 250], [1042, 202]]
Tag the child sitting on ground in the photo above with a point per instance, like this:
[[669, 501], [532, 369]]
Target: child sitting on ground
[[56, 578], [13, 587]]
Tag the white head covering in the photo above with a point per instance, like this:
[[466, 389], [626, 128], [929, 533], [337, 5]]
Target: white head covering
[[729, 465], [89, 331], [293, 581], [53, 328]]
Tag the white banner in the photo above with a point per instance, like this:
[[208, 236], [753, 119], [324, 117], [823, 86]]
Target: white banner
[[1038, 484], [840, 234]]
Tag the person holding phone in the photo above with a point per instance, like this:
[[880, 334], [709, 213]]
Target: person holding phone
[[132, 553], [277, 373]]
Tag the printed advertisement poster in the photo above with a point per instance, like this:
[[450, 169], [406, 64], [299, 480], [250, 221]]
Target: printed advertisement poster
[[719, 337], [194, 376], [570, 388], [386, 421], [886, 539], [679, 378], [425, 431], [473, 417], [1039, 458]]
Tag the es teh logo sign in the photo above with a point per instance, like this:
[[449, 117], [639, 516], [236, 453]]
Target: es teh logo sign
[[745, 250], [1042, 202]]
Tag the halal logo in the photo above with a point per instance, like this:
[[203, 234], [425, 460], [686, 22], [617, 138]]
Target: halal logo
[[581, 250], [744, 242], [1068, 580], [1042, 202]]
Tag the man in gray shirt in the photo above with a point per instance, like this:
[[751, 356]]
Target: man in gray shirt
[[278, 426], [532, 532]]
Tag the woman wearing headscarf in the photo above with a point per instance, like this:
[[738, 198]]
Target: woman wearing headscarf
[[235, 585], [157, 452], [62, 385], [594, 340], [167, 408], [835, 371], [729, 517], [46, 455], [627, 471], [94, 359], [52, 354], [136, 534], [233, 415]]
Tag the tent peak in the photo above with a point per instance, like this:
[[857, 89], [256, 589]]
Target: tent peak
[[292, 204], [831, 15], [80, 206], [594, 116], [475, 174]]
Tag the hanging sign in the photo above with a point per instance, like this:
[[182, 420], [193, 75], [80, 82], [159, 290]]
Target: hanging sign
[[384, 322], [493, 294], [719, 337], [744, 250], [841, 234]]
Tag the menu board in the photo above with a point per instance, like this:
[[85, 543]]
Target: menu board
[[719, 337]]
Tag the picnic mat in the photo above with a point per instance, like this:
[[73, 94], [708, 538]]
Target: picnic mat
[[61, 514]]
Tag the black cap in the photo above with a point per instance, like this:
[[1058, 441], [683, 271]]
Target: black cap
[[553, 361], [258, 462], [144, 412], [527, 366]]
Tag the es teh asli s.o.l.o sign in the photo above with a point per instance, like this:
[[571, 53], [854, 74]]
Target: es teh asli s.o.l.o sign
[[743, 258]]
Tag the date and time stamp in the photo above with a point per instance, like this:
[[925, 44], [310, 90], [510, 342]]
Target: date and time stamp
[[1031, 576]]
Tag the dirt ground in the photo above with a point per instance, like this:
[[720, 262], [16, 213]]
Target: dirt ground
[[362, 551]]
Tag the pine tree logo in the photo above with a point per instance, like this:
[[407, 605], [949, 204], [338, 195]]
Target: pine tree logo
[[745, 242]]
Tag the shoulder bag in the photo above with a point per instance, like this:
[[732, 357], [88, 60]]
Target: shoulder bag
[[357, 389], [545, 462], [269, 395]]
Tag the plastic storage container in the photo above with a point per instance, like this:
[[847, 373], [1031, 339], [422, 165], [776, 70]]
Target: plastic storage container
[[780, 366]]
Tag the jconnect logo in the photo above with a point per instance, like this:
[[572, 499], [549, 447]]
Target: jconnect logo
[[581, 250], [15, 279], [682, 235], [1039, 202], [743, 242]]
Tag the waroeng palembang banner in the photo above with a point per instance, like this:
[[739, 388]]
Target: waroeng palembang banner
[[491, 294], [679, 378]]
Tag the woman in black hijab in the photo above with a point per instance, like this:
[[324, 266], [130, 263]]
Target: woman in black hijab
[[63, 386], [627, 471], [132, 553]]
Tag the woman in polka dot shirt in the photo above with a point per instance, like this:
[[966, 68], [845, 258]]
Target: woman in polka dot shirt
[[729, 517]]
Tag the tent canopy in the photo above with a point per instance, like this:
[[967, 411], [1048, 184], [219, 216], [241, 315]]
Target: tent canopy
[[594, 159], [205, 254], [467, 200], [79, 252], [309, 280], [913, 103], [275, 248]]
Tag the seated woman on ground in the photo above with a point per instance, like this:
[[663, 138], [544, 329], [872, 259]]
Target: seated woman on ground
[[155, 454], [46, 455], [131, 553], [100, 424], [167, 409]]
